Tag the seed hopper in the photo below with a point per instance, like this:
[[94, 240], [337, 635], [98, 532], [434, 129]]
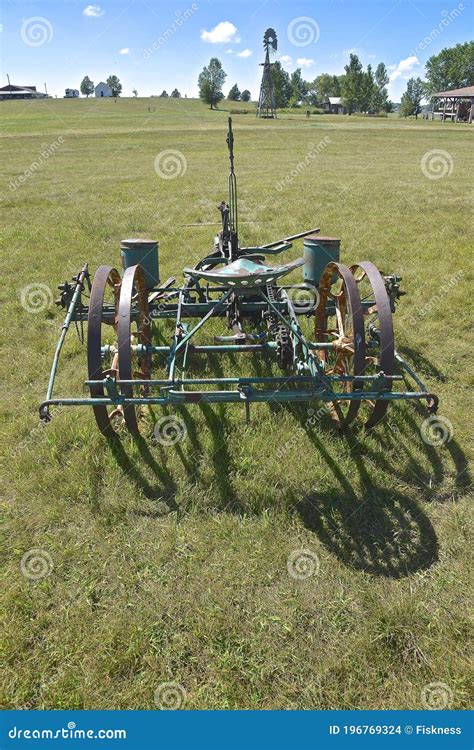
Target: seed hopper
[[330, 334]]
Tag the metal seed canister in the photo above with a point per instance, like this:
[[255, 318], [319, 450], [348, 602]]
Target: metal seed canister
[[318, 252], [144, 252]]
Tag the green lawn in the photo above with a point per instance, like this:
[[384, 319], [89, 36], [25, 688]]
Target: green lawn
[[169, 564]]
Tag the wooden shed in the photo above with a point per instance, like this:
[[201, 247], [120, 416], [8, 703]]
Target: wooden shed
[[456, 104]]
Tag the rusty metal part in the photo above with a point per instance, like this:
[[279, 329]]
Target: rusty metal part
[[383, 310], [105, 276], [349, 347], [160, 292], [133, 282]]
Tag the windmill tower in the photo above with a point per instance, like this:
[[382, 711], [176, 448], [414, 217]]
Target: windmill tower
[[266, 100]]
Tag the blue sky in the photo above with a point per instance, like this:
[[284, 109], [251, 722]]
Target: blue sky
[[154, 45]]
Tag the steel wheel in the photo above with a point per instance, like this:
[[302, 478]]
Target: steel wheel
[[347, 357], [378, 331], [106, 283], [133, 292]]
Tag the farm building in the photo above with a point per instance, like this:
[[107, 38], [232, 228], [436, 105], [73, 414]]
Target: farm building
[[21, 92], [334, 105], [456, 104], [102, 89], [71, 94]]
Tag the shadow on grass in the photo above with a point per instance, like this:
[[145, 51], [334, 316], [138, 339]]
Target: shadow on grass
[[165, 491], [376, 529], [380, 532]]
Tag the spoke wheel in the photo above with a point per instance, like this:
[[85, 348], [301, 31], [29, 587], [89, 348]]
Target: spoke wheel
[[105, 289], [347, 357], [378, 325], [133, 323]]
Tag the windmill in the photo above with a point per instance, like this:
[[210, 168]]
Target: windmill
[[266, 100]]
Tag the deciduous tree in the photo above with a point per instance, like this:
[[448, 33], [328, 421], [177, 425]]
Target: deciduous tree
[[87, 86], [452, 68], [210, 82], [114, 84]]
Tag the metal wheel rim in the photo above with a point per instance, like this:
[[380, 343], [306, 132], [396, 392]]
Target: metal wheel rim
[[133, 281], [352, 297], [105, 275], [387, 341]]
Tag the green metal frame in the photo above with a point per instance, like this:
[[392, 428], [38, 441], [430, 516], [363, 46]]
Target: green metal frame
[[313, 384]]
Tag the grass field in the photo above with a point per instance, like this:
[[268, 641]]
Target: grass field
[[169, 565]]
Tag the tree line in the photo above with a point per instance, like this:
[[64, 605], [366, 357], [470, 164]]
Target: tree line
[[360, 90], [452, 68]]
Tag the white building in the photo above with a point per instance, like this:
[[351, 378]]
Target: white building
[[102, 89], [71, 94]]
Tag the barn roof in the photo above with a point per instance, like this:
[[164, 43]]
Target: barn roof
[[14, 89], [466, 91], [334, 99]]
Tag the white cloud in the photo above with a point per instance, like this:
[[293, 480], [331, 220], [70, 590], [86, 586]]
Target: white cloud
[[94, 11], [245, 53], [403, 68], [223, 33], [124, 50], [229, 51], [285, 59], [304, 62]]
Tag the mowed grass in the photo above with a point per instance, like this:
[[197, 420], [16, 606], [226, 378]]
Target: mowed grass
[[170, 563]]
